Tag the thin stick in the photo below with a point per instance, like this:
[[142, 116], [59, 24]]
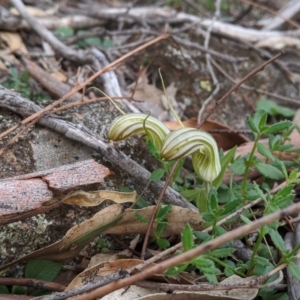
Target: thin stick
[[155, 210], [253, 72]]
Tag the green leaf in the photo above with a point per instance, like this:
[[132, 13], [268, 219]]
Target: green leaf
[[228, 272], [176, 270], [207, 217], [141, 203], [259, 192], [187, 238], [107, 43], [264, 151], [4, 289], [211, 270], [269, 171], [277, 240], [281, 296], [222, 252], [238, 167], [201, 236], [161, 227], [157, 174], [163, 243], [258, 118], [42, 269], [263, 121], [230, 206], [64, 32], [93, 41], [274, 141], [293, 175], [141, 218], [19, 290], [211, 278], [226, 159], [152, 149], [274, 109], [262, 261], [163, 212], [213, 200], [277, 127], [245, 219], [282, 194], [202, 262], [295, 270], [251, 124]]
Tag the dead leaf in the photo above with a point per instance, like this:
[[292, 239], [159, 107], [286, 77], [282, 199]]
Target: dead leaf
[[35, 11], [177, 218], [94, 198], [59, 76], [130, 293], [3, 66], [155, 100], [14, 41], [108, 267]]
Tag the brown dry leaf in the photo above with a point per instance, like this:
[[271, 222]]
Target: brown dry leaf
[[3, 66], [35, 11], [77, 237], [7, 56], [59, 76], [94, 198], [177, 218], [108, 267], [154, 99], [14, 41], [130, 293], [224, 140]]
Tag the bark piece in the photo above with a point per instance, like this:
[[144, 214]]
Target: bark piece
[[28, 192]]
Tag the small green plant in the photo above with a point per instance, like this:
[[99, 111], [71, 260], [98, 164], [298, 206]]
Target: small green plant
[[36, 269], [65, 32], [19, 81], [224, 200], [102, 245], [274, 109], [162, 222]]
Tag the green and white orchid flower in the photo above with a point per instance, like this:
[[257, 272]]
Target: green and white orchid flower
[[203, 147], [128, 125]]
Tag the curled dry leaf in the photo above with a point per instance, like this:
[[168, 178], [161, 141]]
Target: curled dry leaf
[[107, 267], [94, 198], [177, 218], [13, 41]]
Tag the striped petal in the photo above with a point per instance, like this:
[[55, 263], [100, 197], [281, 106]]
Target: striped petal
[[205, 156], [128, 125]]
